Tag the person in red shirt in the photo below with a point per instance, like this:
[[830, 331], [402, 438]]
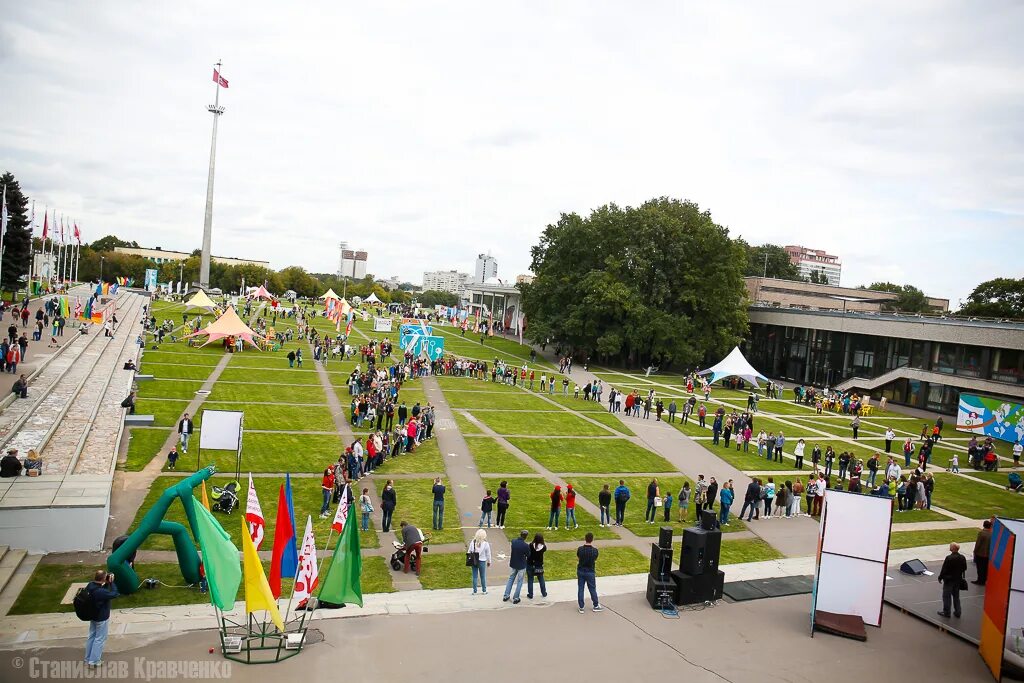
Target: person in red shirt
[[410, 436], [327, 486], [556, 507], [629, 403], [570, 508]]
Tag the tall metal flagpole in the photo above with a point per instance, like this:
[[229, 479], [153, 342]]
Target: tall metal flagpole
[[78, 255], [204, 262], [31, 245]]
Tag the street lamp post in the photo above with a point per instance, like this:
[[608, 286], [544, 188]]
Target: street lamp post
[[102, 259], [181, 275]]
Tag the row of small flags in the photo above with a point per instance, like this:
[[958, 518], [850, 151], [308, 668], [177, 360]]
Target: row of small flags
[[220, 558]]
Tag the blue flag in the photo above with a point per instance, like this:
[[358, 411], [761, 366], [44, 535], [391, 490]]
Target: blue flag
[[290, 559]]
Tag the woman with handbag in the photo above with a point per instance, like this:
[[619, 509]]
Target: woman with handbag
[[478, 557], [653, 500], [367, 509]]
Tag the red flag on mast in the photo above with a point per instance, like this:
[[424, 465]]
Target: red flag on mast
[[78, 235], [46, 225], [219, 80]]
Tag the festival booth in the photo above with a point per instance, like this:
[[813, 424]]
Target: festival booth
[[228, 325], [733, 365], [372, 299], [201, 300], [260, 293], [329, 294]]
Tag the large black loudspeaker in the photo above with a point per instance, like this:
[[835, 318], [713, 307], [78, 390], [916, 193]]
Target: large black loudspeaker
[[708, 520], [690, 590], [701, 551], [712, 551], [665, 537], [660, 593], [915, 567], [661, 562]]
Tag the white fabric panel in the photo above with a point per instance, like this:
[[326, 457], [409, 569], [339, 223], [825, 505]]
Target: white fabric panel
[[857, 525], [1014, 622], [847, 585], [221, 429]]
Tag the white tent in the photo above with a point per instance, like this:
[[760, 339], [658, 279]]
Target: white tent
[[734, 365], [372, 299], [329, 294]]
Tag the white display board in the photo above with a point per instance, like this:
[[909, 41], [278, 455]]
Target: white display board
[[853, 552], [382, 324], [221, 430]]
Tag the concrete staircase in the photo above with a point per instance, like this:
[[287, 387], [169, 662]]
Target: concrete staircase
[[16, 567]]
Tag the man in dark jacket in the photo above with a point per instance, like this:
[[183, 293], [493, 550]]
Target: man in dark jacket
[[709, 501], [10, 464], [751, 499], [102, 590], [954, 567], [438, 491], [981, 552], [518, 557], [403, 413], [185, 432]]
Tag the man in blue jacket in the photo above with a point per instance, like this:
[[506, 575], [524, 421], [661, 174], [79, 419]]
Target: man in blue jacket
[[518, 557], [621, 495], [102, 590]]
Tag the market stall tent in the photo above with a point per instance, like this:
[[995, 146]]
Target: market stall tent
[[733, 365], [227, 325], [200, 300], [260, 293], [329, 294], [372, 299]]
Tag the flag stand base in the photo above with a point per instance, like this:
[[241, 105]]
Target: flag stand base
[[255, 642]]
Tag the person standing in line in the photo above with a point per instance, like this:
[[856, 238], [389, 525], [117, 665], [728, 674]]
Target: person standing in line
[[388, 503], [672, 410], [604, 501], [535, 567], [890, 435], [621, 498], [556, 508], [570, 508], [798, 452], [101, 591], [185, 432], [504, 496], [751, 499], [586, 572], [684, 501], [712, 494], [438, 491], [855, 425], [667, 504], [981, 551], [653, 492], [952, 577], [486, 506], [480, 555], [726, 499], [780, 441], [327, 490], [518, 557], [366, 508]]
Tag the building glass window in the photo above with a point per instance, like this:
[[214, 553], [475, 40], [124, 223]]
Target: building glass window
[[1008, 366], [959, 359]]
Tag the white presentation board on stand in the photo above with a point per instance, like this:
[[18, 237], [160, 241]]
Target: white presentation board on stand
[[222, 430], [853, 552]]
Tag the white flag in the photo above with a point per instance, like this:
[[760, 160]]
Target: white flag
[[181, 286], [254, 516], [3, 215], [338, 525], [307, 575]]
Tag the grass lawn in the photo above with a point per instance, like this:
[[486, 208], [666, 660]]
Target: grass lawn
[[499, 401], [749, 462], [450, 383], [549, 424], [176, 371], [1001, 478], [180, 389], [426, 459], [598, 455], [493, 458], [974, 499], [49, 583], [268, 393], [306, 499], [530, 506], [165, 413], [609, 420], [464, 425], [746, 550], [449, 570], [278, 417], [415, 505], [914, 539], [769, 406], [176, 358], [578, 404], [269, 452], [143, 445], [908, 516], [284, 375]]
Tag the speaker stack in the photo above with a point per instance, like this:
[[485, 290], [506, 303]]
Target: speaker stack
[[698, 578], [660, 587]]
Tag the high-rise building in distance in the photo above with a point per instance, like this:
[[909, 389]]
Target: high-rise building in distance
[[809, 261], [486, 267], [353, 264], [445, 281]]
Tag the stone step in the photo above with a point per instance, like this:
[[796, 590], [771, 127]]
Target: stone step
[[17, 582], [9, 564]]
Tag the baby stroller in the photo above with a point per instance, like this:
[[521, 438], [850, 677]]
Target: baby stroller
[[398, 558], [225, 499], [1016, 483]]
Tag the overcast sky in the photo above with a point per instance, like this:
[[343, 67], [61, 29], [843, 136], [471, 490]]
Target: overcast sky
[[887, 133]]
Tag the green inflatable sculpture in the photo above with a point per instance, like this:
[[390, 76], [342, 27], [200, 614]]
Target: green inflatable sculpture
[[153, 523]]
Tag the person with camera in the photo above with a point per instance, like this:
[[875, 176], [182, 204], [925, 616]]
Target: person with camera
[[101, 591]]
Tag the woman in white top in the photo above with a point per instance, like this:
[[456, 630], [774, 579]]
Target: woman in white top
[[482, 548], [799, 453], [762, 439]]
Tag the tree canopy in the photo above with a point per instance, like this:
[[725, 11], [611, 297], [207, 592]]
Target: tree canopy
[[434, 297], [18, 239], [659, 283], [1002, 297], [777, 265], [910, 299]]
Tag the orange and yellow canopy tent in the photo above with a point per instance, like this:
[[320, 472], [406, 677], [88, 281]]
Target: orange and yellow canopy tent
[[227, 325], [200, 300]]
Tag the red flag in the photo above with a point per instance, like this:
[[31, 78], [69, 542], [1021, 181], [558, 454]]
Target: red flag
[[46, 225], [219, 80], [78, 235], [283, 532]]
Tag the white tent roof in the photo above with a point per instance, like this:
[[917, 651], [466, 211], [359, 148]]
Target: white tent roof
[[734, 365], [372, 299], [200, 300], [329, 294]]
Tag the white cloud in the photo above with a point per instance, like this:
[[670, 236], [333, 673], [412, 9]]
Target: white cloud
[[887, 134]]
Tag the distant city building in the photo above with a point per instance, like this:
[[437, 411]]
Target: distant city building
[[391, 284], [808, 261], [524, 279], [353, 264], [159, 255], [486, 268], [445, 281], [775, 293]]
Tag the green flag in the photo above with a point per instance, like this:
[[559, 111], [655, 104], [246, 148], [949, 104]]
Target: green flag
[[220, 559], [342, 583]]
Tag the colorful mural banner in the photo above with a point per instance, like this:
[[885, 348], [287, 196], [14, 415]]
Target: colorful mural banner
[[420, 344], [997, 418]]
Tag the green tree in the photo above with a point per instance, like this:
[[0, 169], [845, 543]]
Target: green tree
[[659, 283], [18, 239], [1002, 297], [818, 277], [777, 264], [434, 297], [910, 299], [109, 242]]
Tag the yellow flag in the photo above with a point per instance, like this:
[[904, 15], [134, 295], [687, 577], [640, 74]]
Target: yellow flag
[[205, 501], [257, 589]]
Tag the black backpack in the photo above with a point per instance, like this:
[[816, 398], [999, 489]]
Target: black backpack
[[85, 606]]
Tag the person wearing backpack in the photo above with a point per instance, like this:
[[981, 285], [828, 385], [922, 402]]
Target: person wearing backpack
[[92, 604]]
